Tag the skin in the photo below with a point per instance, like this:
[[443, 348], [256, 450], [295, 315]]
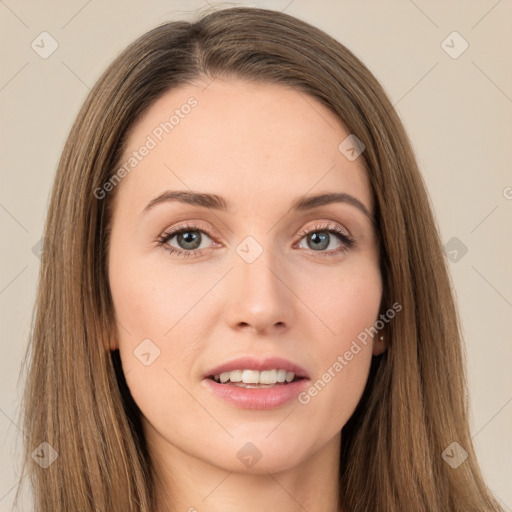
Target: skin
[[260, 147]]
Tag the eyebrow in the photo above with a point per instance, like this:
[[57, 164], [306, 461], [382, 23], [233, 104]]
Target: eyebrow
[[216, 202]]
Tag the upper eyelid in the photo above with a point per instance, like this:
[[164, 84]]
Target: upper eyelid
[[325, 224], [197, 226]]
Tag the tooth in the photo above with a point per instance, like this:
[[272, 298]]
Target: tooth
[[265, 377], [235, 376], [268, 377], [281, 375], [251, 376]]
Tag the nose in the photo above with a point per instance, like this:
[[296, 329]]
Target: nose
[[261, 297]]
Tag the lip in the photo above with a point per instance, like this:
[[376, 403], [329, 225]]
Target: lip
[[250, 363], [257, 398]]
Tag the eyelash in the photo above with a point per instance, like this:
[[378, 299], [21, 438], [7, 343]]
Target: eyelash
[[162, 240]]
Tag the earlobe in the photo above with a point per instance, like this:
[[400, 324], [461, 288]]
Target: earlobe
[[379, 344]]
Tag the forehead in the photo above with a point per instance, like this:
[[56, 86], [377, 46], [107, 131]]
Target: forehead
[[242, 140]]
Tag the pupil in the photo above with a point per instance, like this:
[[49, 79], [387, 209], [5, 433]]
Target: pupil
[[321, 240], [188, 238]]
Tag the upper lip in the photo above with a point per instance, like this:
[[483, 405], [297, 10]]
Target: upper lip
[[251, 363]]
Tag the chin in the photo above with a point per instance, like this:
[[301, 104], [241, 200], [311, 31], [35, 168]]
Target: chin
[[257, 456], [267, 463]]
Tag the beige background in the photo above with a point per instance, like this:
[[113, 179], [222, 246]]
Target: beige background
[[458, 112]]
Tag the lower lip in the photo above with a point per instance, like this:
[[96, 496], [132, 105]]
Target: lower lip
[[258, 398]]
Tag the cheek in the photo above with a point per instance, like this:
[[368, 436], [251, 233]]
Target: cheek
[[155, 343], [348, 306], [149, 299], [159, 339], [346, 302]]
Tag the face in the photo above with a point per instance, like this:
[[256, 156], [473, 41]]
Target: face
[[195, 286]]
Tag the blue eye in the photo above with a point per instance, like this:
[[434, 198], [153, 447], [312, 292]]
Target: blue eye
[[191, 236], [320, 234], [188, 235]]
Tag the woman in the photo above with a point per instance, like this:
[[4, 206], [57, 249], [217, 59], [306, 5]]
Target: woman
[[243, 298]]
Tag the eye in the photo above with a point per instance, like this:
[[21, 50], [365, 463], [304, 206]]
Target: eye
[[188, 236], [189, 239], [319, 238]]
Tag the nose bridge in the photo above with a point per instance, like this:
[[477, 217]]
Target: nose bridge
[[259, 294], [257, 267]]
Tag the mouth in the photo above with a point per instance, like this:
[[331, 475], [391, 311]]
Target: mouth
[[256, 379], [257, 390], [257, 383]]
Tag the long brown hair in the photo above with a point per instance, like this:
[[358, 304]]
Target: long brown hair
[[414, 405]]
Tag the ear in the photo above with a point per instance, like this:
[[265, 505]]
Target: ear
[[380, 342]]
